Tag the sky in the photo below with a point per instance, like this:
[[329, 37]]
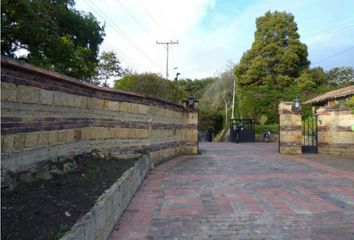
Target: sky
[[211, 34]]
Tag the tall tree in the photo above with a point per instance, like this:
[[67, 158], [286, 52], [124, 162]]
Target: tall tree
[[275, 60], [51, 34], [341, 76], [108, 67]]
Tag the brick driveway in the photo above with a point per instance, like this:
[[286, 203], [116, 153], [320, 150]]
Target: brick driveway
[[243, 191]]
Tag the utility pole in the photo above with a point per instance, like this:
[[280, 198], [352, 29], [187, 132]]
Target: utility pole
[[225, 112], [233, 102], [167, 47]]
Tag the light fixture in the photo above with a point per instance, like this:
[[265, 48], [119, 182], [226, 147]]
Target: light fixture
[[296, 105]]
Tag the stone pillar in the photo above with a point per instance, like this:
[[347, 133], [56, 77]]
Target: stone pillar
[[335, 133], [290, 136]]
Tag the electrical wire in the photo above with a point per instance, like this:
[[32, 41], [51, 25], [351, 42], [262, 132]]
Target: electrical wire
[[136, 20], [167, 33], [121, 33], [335, 55]]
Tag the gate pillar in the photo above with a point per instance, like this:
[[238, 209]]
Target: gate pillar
[[290, 135]]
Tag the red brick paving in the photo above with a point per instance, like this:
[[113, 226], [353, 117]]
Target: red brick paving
[[243, 191]]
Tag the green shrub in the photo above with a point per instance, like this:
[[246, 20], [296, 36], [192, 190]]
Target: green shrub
[[273, 128]]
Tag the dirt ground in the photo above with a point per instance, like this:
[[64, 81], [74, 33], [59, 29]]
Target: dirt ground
[[47, 209]]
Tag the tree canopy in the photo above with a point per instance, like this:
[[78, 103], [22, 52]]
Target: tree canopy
[[51, 34], [151, 84], [277, 56], [341, 76], [275, 67], [108, 67]]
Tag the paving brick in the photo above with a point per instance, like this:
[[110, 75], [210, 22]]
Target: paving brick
[[243, 191]]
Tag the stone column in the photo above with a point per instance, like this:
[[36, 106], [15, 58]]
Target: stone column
[[335, 133], [290, 136]]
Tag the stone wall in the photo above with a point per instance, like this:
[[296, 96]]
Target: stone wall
[[335, 135], [45, 115], [290, 136], [99, 222]]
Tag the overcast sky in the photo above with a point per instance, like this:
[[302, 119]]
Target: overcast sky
[[212, 33]]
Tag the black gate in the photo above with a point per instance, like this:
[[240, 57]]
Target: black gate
[[309, 134], [242, 130]]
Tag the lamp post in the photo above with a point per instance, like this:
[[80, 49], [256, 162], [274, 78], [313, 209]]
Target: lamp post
[[176, 79], [190, 102], [296, 105]]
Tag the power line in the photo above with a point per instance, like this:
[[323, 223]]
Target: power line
[[120, 32], [334, 55], [333, 29], [152, 18], [135, 19], [167, 47]]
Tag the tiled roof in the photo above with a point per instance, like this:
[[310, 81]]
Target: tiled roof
[[339, 93]]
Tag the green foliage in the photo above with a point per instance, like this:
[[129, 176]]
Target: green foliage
[[277, 56], [108, 67], [51, 34], [341, 76], [273, 128], [263, 120], [350, 103], [276, 69], [63, 228], [152, 85], [197, 87], [310, 79]]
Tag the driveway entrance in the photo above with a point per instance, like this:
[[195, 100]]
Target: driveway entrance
[[243, 191]]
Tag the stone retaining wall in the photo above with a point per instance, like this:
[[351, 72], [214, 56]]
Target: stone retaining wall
[[99, 222], [335, 134], [45, 115]]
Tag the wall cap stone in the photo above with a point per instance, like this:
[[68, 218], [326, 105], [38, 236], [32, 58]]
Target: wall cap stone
[[16, 64]]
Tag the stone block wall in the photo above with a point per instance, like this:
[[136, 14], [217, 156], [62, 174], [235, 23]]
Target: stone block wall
[[290, 136], [335, 134], [45, 115]]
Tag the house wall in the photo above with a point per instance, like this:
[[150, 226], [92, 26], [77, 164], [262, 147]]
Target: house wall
[[46, 115]]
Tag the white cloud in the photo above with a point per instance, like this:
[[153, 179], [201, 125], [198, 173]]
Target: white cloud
[[203, 50]]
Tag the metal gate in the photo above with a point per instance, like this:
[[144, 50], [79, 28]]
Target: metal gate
[[309, 134], [242, 130]]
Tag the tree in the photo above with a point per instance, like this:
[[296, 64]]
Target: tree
[[275, 60], [151, 84], [311, 79], [108, 67], [51, 34], [196, 87], [341, 76]]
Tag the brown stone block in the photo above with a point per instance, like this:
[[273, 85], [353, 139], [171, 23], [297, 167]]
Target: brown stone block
[[62, 136], [7, 143], [143, 109], [77, 134], [124, 107], [43, 139], [52, 137], [60, 99], [32, 140], [19, 142], [86, 133], [28, 94], [290, 150], [8, 91], [83, 102], [46, 97]]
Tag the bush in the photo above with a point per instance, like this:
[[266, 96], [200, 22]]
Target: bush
[[273, 128]]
